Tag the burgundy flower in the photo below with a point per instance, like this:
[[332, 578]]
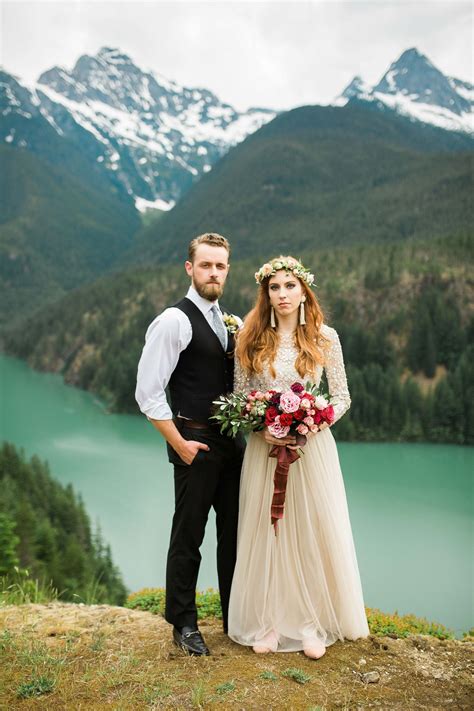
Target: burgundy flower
[[270, 415], [297, 388], [286, 419], [299, 414]]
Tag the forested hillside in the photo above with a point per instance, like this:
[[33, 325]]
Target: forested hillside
[[45, 530], [323, 177], [57, 231], [404, 313]]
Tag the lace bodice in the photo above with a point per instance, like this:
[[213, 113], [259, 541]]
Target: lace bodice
[[286, 374]]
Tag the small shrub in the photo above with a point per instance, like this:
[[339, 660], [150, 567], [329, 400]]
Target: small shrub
[[381, 623], [35, 687], [208, 603], [226, 687], [297, 675]]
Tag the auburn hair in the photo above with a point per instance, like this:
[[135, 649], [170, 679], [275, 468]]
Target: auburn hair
[[257, 341]]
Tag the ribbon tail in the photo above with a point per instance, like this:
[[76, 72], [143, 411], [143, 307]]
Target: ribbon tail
[[284, 458]]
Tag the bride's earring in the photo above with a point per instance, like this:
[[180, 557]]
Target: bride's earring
[[272, 318], [302, 316]]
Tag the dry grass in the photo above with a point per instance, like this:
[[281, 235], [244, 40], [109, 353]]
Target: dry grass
[[82, 657]]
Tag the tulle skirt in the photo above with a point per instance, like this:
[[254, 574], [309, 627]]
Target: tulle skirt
[[302, 583]]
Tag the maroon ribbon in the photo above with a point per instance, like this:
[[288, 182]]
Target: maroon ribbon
[[285, 457]]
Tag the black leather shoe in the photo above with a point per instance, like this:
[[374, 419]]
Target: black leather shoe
[[190, 640]]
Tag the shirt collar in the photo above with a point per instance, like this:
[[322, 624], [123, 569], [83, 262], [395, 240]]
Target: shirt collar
[[203, 304]]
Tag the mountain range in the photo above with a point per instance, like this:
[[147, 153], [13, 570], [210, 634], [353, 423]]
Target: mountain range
[[82, 149], [150, 136]]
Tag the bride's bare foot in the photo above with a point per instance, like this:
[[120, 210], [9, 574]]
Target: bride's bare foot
[[267, 644], [314, 648]]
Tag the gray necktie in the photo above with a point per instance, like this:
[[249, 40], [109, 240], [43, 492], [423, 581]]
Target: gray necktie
[[218, 326]]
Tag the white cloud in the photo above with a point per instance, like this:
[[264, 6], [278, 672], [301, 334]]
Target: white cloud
[[275, 54]]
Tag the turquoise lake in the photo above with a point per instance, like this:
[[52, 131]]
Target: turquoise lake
[[410, 504]]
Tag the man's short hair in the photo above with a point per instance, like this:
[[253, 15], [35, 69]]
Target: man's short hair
[[211, 238]]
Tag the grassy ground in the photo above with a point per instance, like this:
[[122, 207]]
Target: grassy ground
[[59, 656]]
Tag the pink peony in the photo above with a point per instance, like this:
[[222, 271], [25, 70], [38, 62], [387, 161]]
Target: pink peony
[[289, 402], [308, 421], [302, 429], [278, 430]]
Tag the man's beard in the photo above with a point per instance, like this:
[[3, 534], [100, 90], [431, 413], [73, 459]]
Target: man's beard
[[211, 291]]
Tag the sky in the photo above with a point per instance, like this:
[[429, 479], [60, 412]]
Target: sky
[[270, 54]]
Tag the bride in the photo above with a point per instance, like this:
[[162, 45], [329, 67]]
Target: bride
[[299, 590]]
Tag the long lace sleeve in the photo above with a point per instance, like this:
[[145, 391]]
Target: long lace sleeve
[[241, 378], [336, 376]]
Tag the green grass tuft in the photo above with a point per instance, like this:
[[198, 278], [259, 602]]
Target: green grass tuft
[[380, 623]]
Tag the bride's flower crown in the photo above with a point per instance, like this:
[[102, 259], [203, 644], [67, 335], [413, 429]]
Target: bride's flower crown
[[287, 264]]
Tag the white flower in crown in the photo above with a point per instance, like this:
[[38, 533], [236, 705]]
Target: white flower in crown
[[289, 265]]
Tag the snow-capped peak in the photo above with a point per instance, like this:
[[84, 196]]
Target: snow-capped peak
[[414, 87], [152, 135]]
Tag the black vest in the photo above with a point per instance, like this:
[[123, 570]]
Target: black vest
[[204, 371]]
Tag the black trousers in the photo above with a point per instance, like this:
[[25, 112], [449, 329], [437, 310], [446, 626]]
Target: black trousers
[[211, 480]]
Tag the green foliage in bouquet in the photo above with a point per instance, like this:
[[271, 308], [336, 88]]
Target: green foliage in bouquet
[[230, 412]]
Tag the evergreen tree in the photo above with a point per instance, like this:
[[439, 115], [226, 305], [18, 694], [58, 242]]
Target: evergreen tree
[[52, 534], [8, 544]]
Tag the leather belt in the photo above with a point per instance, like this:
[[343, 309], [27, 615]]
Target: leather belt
[[192, 424]]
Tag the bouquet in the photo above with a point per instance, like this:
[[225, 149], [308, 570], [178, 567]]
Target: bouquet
[[296, 411]]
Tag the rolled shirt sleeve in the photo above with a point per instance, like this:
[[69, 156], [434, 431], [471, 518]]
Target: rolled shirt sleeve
[[167, 336]]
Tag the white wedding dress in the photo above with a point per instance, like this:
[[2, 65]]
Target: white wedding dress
[[304, 583]]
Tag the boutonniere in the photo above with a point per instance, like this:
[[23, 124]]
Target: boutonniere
[[231, 323]]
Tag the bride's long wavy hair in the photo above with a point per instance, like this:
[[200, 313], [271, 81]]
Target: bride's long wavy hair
[[257, 341]]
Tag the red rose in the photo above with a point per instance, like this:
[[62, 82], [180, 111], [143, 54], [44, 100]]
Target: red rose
[[286, 419], [270, 415], [318, 416], [299, 414], [328, 414]]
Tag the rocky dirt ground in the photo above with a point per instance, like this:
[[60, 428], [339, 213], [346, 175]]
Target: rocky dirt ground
[[77, 657]]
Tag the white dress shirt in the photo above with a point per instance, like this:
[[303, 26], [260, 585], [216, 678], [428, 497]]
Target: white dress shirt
[[167, 336]]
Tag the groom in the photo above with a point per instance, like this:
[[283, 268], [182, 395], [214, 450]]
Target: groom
[[189, 349]]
